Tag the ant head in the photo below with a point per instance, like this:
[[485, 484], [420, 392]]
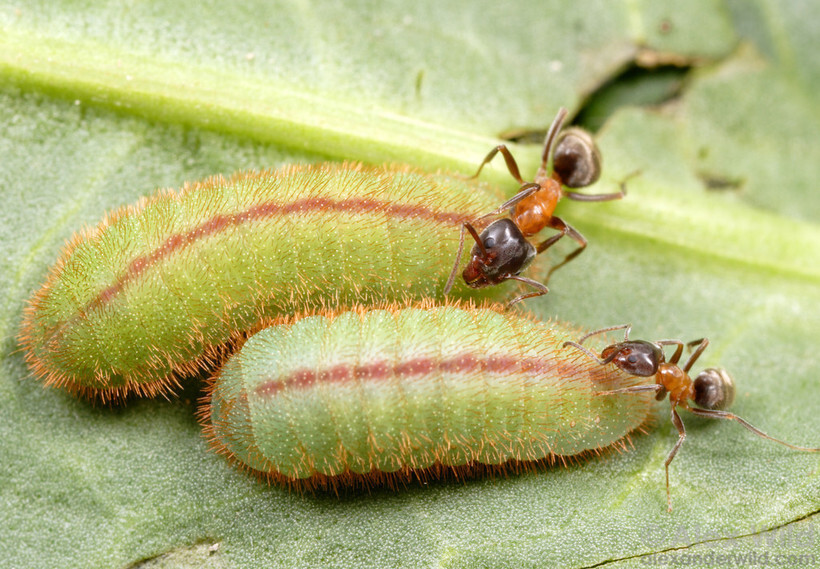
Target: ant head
[[714, 389], [577, 160], [503, 251], [636, 357]]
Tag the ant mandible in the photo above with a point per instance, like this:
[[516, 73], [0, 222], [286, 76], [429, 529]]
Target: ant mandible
[[502, 250], [713, 390]]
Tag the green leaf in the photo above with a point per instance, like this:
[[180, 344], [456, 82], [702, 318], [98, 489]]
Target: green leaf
[[718, 237]]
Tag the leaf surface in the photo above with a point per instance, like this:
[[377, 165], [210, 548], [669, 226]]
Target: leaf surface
[[718, 237]]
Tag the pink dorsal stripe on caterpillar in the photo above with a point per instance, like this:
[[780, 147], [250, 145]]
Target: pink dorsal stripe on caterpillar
[[307, 378], [264, 211]]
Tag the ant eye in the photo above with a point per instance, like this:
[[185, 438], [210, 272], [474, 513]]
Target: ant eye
[[489, 242], [577, 159], [632, 359]]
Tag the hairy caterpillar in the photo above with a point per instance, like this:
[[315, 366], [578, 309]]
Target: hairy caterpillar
[[385, 395], [154, 290], [391, 393]]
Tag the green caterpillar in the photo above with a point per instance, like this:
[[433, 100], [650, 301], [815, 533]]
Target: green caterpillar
[[383, 395], [156, 289]]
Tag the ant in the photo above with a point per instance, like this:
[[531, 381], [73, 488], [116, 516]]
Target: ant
[[502, 250], [713, 390]]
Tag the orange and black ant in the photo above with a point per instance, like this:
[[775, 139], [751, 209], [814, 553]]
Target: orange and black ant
[[713, 390], [502, 250]]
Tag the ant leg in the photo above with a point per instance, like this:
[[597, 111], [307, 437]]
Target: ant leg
[[678, 350], [524, 191], [702, 343], [681, 437], [560, 225], [541, 289], [577, 196], [715, 414], [566, 229], [512, 165], [555, 127], [656, 387]]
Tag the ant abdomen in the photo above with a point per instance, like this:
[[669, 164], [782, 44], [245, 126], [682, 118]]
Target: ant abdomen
[[577, 160], [714, 389]]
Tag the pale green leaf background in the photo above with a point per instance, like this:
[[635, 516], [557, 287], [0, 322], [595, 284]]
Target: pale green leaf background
[[101, 103]]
